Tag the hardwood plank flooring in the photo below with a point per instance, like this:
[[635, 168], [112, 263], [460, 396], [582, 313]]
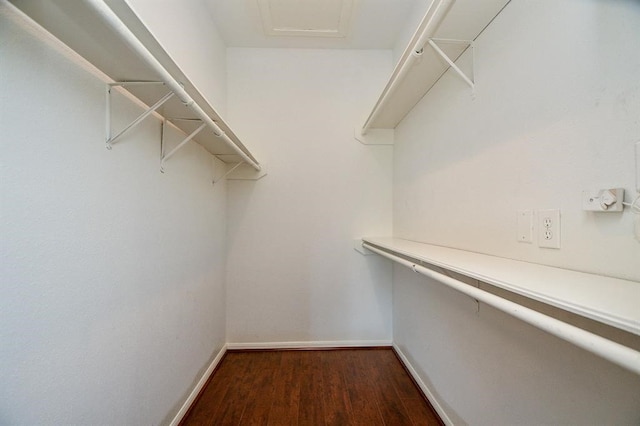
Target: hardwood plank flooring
[[363, 386]]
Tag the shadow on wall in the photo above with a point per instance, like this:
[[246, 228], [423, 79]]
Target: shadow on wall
[[495, 369]]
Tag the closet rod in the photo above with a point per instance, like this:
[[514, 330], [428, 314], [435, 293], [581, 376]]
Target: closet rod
[[429, 24], [132, 41], [618, 354]]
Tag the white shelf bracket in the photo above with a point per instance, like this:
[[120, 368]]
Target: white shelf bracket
[[432, 43], [374, 136], [165, 157], [110, 140], [227, 173], [360, 248], [244, 171]]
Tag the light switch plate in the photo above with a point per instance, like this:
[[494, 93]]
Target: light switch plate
[[525, 226], [638, 166]]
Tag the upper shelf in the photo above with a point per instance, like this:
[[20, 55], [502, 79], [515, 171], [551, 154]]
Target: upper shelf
[[97, 33], [420, 66], [608, 300]]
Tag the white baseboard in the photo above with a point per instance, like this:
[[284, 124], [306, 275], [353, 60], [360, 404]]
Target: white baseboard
[[196, 390], [425, 389], [311, 344]]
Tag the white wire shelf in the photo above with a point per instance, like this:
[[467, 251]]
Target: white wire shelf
[[446, 31], [110, 36], [535, 281], [611, 301]]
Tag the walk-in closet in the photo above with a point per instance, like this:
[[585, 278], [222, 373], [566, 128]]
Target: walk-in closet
[[320, 212]]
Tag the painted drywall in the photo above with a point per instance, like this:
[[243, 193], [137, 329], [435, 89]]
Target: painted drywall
[[187, 32], [556, 111], [371, 25], [412, 22], [293, 274], [112, 274], [485, 368]]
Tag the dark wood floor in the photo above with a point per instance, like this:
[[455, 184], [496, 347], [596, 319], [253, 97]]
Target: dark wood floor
[[317, 387]]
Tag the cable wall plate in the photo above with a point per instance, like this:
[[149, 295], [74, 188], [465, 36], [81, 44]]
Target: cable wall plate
[[638, 167]]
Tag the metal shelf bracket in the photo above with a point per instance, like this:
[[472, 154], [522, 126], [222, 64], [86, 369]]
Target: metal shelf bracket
[[227, 172], [165, 157], [110, 140], [432, 43]]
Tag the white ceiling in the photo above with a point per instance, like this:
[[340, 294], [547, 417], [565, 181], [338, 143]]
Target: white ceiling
[[374, 24]]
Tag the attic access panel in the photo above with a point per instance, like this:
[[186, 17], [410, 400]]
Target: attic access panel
[[304, 18]]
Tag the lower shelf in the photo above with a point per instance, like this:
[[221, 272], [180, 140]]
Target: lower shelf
[[522, 278], [608, 300]]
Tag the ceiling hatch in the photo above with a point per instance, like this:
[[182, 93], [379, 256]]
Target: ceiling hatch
[[306, 18]]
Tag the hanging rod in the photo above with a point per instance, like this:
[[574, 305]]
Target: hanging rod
[[620, 355], [116, 25], [429, 24]]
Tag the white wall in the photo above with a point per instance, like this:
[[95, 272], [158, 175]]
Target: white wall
[[487, 368], [293, 274], [112, 273], [188, 34], [556, 111], [408, 30]]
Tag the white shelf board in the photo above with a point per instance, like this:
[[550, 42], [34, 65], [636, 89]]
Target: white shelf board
[[465, 21], [76, 24], [612, 301]]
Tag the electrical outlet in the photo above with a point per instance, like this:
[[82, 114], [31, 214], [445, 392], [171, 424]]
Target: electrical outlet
[[549, 228], [525, 226]]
